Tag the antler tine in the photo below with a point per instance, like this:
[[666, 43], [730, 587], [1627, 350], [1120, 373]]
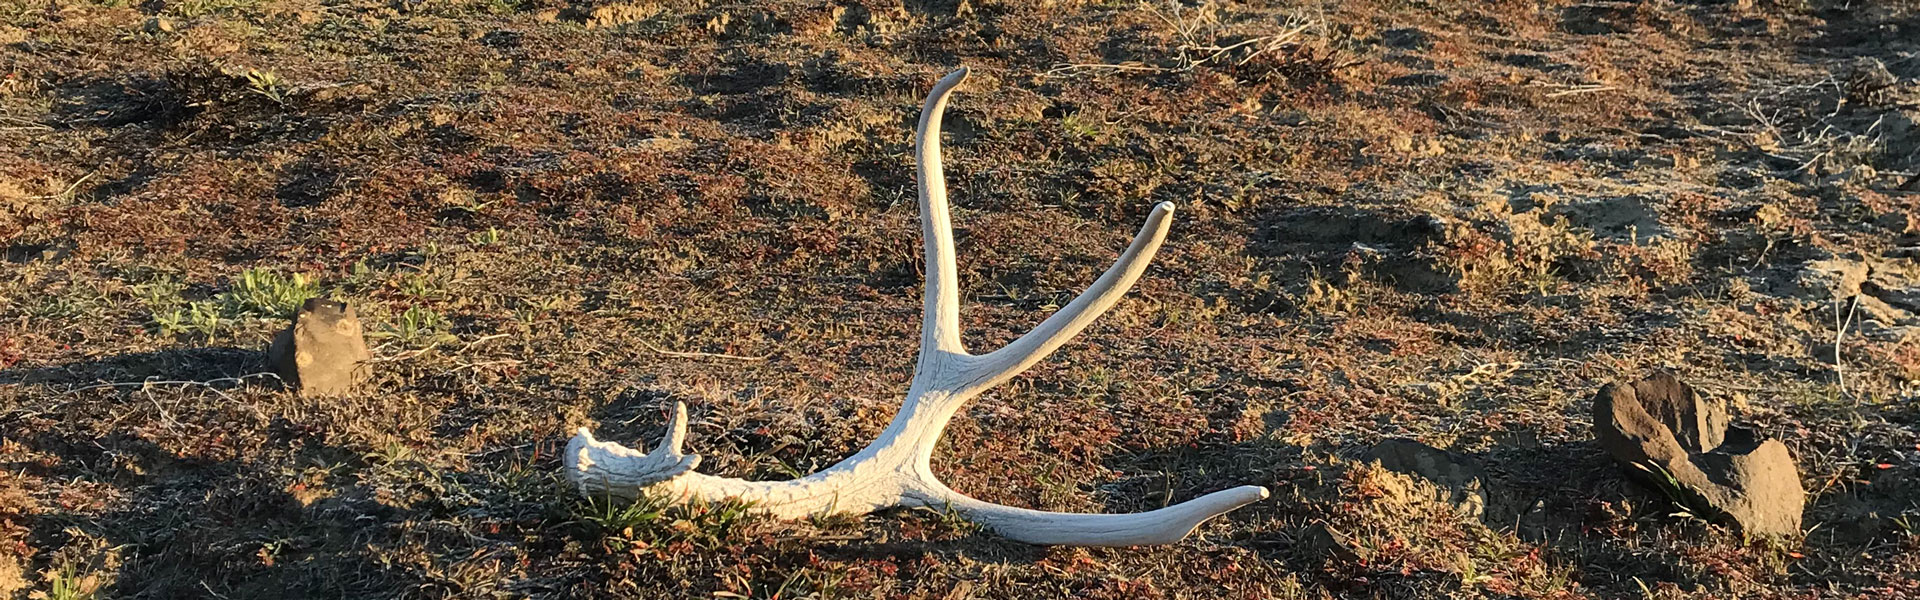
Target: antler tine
[[1058, 329], [676, 437], [941, 330]]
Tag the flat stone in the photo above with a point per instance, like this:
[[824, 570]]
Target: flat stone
[[323, 352]]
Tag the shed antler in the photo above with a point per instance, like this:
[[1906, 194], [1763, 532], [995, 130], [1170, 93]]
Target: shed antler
[[895, 470]]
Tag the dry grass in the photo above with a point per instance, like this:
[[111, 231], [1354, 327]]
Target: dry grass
[[1444, 220]]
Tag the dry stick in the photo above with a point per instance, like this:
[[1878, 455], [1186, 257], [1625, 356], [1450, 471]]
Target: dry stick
[[1839, 334], [208, 384], [67, 193], [205, 384], [23, 124], [412, 353], [1580, 90], [665, 352], [1267, 42]]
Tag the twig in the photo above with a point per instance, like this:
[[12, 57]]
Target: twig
[[1580, 90], [1189, 32], [436, 344], [209, 384], [665, 352], [504, 361], [66, 193], [405, 355], [23, 124], [1839, 334]]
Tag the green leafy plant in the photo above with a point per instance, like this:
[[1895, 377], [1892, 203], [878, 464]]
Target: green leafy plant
[[199, 8], [68, 583], [1689, 506], [484, 238], [612, 517], [161, 294], [418, 326], [652, 522], [203, 318], [428, 285], [267, 84], [268, 293]]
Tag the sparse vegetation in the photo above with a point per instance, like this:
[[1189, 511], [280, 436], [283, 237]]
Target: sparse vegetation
[[268, 293], [1442, 220]]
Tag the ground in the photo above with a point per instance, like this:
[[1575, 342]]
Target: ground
[[1443, 220]]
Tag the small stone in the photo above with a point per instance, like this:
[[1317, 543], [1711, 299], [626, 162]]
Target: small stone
[[1677, 438], [159, 25], [324, 351]]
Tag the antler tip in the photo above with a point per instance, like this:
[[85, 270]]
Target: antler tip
[[676, 436], [1230, 499]]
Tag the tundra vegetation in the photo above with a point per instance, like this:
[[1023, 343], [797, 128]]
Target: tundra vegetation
[[1441, 220]]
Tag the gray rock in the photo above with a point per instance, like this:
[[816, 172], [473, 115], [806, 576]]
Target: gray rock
[[323, 352], [1700, 424], [1681, 442]]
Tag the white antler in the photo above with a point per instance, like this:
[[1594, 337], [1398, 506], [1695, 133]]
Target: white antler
[[895, 470]]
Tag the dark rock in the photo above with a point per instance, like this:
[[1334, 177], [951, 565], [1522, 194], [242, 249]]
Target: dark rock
[[324, 352], [1681, 440]]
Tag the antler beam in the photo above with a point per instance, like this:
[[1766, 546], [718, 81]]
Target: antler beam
[[896, 469]]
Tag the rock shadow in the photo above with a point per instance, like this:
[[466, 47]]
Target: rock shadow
[[182, 364]]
